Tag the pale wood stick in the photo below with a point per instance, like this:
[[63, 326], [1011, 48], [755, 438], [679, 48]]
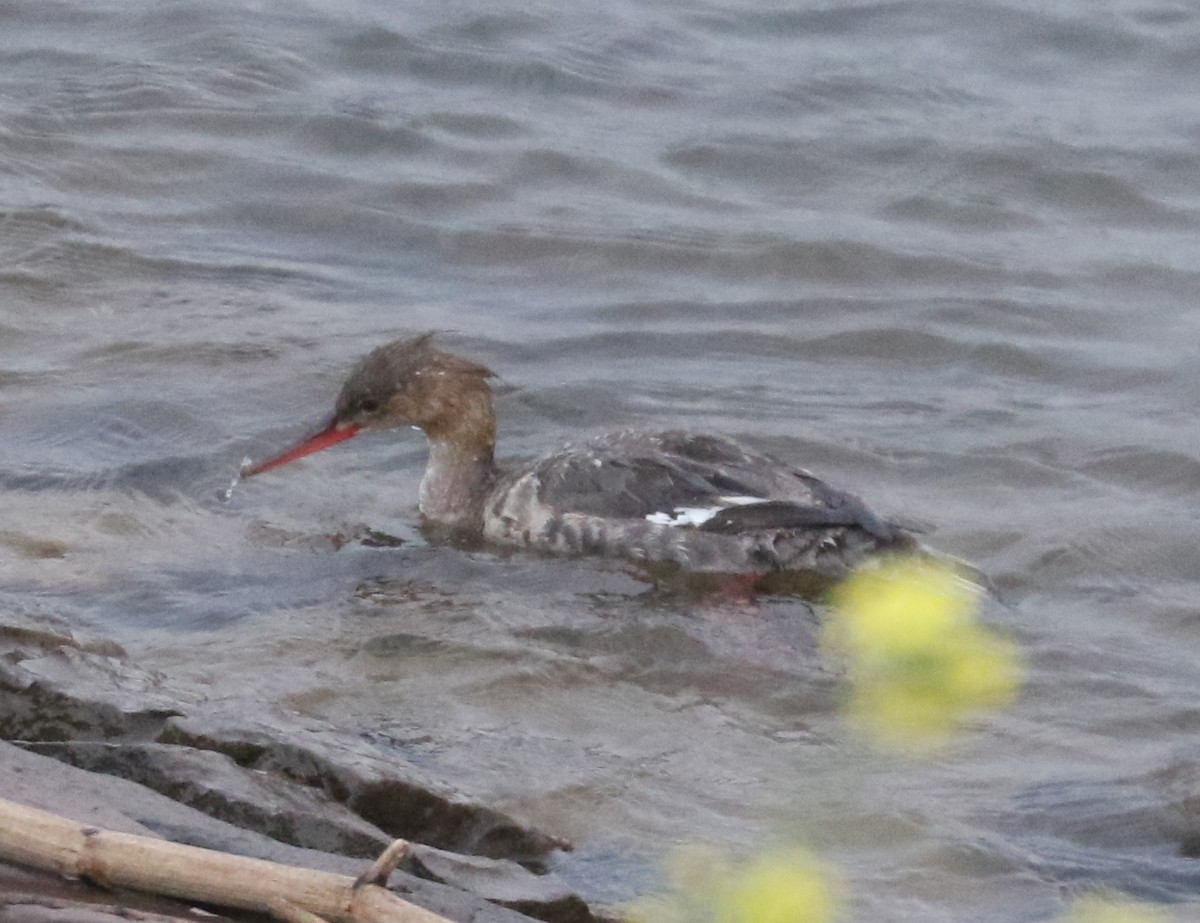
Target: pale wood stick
[[290, 913], [382, 867], [41, 840]]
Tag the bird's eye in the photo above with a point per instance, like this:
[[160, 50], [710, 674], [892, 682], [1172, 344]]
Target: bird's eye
[[369, 405]]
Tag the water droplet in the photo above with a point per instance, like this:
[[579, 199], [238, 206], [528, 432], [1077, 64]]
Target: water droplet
[[227, 493]]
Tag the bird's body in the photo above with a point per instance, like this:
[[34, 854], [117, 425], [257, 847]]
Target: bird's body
[[702, 502]]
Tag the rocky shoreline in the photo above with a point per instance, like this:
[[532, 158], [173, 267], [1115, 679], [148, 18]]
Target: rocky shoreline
[[89, 735]]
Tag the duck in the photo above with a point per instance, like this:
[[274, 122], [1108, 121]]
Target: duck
[[693, 501]]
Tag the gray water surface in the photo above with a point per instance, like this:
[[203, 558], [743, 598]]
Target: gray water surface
[[942, 253]]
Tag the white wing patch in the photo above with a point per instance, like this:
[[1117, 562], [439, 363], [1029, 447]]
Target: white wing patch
[[698, 515]]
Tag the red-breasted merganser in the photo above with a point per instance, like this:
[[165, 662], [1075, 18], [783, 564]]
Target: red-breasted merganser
[[699, 501]]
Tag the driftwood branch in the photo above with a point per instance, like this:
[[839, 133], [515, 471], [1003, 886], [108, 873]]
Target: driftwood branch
[[288, 912], [38, 839], [382, 867]]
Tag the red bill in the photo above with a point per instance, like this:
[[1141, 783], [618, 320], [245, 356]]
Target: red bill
[[330, 435]]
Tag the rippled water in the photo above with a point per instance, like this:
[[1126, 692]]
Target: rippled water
[[943, 253]]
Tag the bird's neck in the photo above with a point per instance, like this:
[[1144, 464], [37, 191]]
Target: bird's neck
[[461, 467]]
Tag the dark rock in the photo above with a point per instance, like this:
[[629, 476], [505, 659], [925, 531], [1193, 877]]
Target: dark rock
[[546, 897], [390, 793], [54, 687], [213, 783]]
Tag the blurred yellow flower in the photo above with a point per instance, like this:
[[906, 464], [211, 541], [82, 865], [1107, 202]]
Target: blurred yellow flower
[[780, 887], [918, 659], [707, 886], [1100, 909]]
